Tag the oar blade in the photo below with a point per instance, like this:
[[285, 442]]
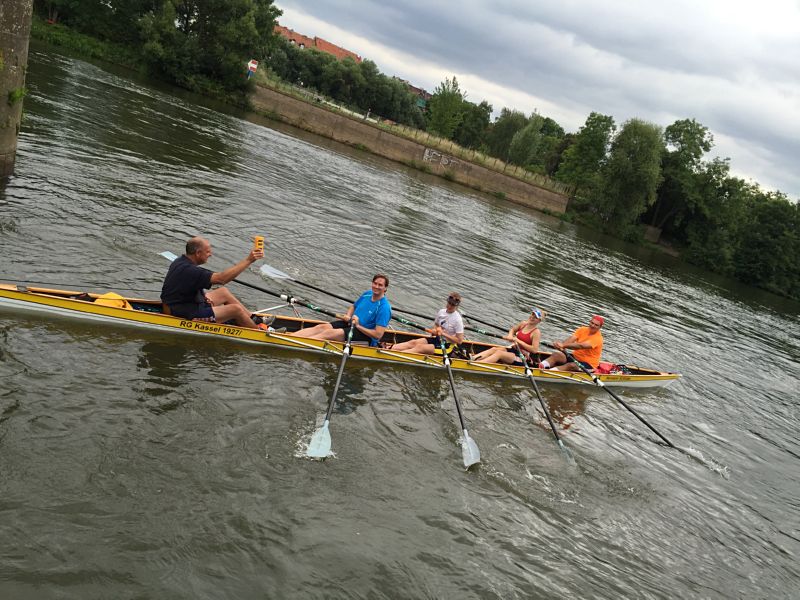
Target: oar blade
[[469, 451], [320, 444], [270, 271], [567, 454]]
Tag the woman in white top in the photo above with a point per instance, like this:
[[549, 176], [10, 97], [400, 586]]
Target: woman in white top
[[447, 323]]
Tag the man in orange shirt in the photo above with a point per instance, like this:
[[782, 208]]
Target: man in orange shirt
[[587, 346]]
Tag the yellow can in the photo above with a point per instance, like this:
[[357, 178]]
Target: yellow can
[[258, 242]]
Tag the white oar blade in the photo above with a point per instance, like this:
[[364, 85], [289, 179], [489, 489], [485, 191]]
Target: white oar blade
[[469, 451], [567, 454], [320, 444], [169, 255], [270, 271]]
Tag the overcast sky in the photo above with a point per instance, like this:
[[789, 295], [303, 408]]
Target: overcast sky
[[732, 65]]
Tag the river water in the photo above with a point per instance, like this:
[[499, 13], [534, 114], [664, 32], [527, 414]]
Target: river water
[[139, 465]]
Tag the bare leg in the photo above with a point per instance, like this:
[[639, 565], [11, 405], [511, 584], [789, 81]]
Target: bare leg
[[570, 366], [418, 345], [555, 359], [336, 335], [222, 297], [226, 307], [311, 332], [323, 331], [500, 355], [481, 356]]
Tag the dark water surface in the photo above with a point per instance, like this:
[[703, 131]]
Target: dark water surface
[[134, 464]]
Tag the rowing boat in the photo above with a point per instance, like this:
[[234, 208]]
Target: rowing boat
[[114, 308]]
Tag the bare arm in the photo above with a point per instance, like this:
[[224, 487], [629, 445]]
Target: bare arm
[[510, 335], [571, 343], [231, 273], [376, 333], [565, 344], [453, 339]]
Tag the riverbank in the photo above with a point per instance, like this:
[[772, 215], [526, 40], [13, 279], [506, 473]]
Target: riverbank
[[372, 137]]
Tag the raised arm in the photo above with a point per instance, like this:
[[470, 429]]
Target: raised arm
[[231, 273]]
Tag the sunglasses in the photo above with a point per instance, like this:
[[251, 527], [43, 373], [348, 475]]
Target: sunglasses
[[453, 300], [594, 324]]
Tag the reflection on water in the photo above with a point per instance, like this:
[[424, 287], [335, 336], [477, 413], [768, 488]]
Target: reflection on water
[[164, 367], [167, 464]]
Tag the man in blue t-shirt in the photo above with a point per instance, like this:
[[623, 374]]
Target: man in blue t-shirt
[[186, 281], [370, 314]]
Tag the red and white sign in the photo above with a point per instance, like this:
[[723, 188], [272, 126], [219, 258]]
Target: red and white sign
[[252, 66]]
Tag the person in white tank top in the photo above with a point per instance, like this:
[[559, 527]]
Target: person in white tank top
[[448, 323]]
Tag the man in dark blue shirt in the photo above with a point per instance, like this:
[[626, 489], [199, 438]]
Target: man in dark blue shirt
[[186, 281]]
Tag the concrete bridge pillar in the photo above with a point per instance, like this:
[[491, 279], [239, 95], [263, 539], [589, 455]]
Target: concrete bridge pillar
[[15, 29]]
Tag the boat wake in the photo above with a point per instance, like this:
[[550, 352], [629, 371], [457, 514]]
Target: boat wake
[[713, 465]]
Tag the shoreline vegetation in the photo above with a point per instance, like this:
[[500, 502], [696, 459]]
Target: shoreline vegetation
[[639, 182]]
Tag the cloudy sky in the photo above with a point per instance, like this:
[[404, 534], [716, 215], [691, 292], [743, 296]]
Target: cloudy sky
[[733, 65]]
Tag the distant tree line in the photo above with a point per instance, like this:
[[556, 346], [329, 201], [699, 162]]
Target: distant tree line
[[358, 85], [640, 174], [623, 177]]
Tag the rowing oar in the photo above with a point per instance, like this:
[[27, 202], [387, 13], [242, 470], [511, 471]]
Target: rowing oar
[[270, 271], [469, 449], [564, 449], [320, 444], [598, 382]]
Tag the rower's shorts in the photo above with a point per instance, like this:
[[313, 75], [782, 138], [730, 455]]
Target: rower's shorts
[[193, 311], [358, 335], [435, 341]]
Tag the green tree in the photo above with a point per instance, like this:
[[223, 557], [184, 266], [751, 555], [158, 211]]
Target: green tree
[[525, 143], [445, 108], [205, 44], [679, 193], [582, 160], [712, 231], [630, 176], [768, 255], [471, 131], [548, 149], [555, 156], [502, 131]]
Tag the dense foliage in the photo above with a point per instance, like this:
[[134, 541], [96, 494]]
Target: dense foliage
[[202, 45], [639, 174], [622, 178]]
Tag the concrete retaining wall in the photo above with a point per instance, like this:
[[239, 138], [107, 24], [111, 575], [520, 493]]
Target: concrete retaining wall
[[361, 133], [15, 27]]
